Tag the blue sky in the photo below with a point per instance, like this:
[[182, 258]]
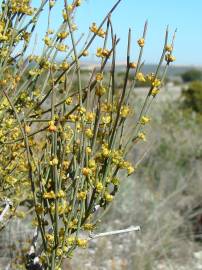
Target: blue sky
[[185, 15]]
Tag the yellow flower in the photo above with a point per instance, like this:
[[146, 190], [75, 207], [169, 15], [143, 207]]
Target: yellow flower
[[61, 47], [115, 181], [72, 224], [150, 77], [105, 52], [49, 237], [74, 27], [140, 77], [88, 150], [141, 42], [52, 126], [65, 249], [49, 195], [90, 116], [154, 91], [59, 252], [61, 194], [107, 107], [89, 133], [85, 53], [3, 37], [99, 77], [68, 149], [92, 164], [17, 78], [27, 129], [9, 122], [99, 52], [4, 52], [78, 3], [95, 30], [86, 171], [106, 119], [130, 169], [65, 15], [133, 65], [169, 58], [144, 120], [82, 195], [62, 35], [81, 110], [99, 187], [105, 150], [70, 240], [116, 157], [141, 136], [88, 227], [63, 207], [102, 52], [53, 162], [34, 72], [70, 7], [2, 26], [68, 101], [51, 3], [3, 82], [100, 90], [48, 41], [169, 48], [156, 83], [101, 33], [82, 243], [125, 110], [11, 180], [108, 197], [64, 65], [72, 118], [66, 164]]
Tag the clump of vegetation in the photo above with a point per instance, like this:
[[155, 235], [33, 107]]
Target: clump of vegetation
[[192, 75], [192, 96], [164, 197], [63, 144]]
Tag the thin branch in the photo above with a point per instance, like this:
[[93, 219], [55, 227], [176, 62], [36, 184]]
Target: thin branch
[[6, 209], [130, 229]]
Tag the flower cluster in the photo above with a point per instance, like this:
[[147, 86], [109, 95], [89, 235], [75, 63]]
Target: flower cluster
[[98, 31]]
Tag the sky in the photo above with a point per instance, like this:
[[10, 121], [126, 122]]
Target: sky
[[185, 15]]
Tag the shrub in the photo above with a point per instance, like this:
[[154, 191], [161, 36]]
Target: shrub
[[192, 75], [64, 141], [193, 96]]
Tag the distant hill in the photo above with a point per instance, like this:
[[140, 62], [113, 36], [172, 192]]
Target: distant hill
[[172, 71]]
